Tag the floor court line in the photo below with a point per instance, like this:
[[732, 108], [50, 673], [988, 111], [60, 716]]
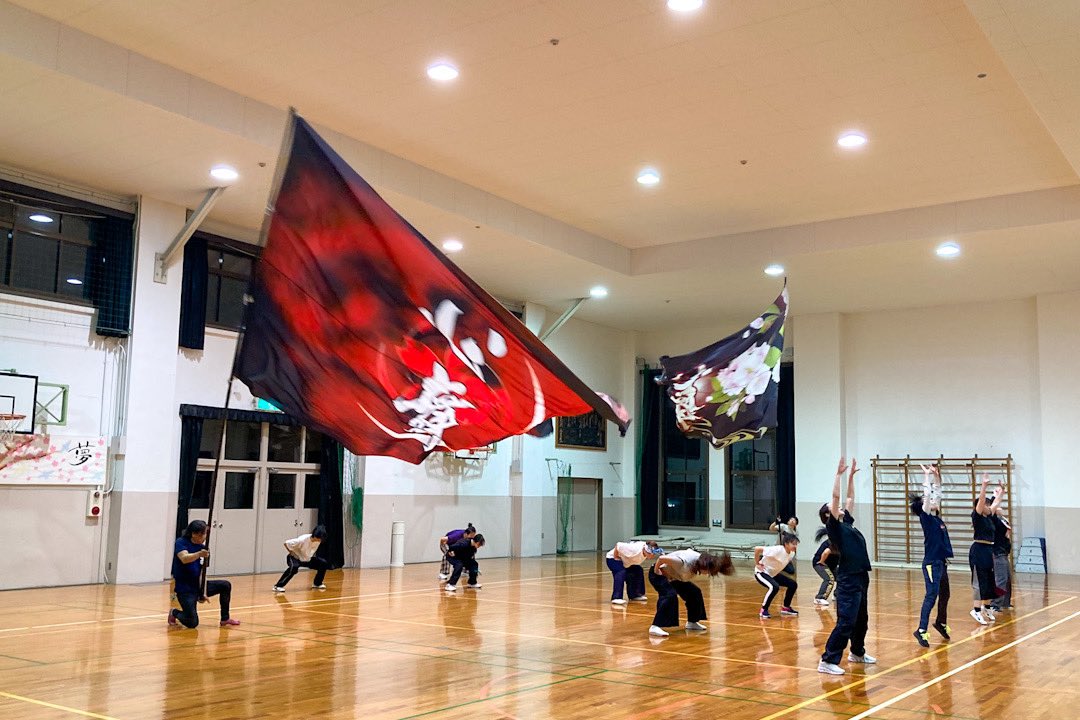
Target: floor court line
[[54, 706], [922, 656], [965, 666]]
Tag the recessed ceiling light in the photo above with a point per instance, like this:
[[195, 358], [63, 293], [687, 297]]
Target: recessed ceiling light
[[41, 218], [599, 291], [948, 249], [684, 5], [224, 173], [453, 245], [442, 71], [74, 281], [851, 140], [648, 177], [774, 270]]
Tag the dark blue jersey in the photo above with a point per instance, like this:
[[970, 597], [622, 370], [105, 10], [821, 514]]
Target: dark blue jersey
[[936, 543]]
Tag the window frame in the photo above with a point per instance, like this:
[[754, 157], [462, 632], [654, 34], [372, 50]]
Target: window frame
[[215, 274], [8, 231], [729, 493]]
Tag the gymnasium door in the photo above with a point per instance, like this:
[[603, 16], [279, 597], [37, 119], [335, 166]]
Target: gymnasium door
[[579, 514]]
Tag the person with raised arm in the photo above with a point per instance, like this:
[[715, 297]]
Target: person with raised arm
[[981, 556], [937, 549], [852, 577], [1002, 553]]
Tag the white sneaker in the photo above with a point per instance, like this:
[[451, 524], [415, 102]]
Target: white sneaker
[[821, 602], [444, 576], [642, 598], [829, 668], [658, 631], [865, 659], [989, 613], [618, 601], [278, 588], [450, 588], [318, 587], [474, 586], [695, 626], [978, 617]]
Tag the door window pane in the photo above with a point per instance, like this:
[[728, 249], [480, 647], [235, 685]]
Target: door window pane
[[200, 492], [313, 447], [281, 491], [210, 440], [239, 491], [243, 441], [284, 443], [311, 492]]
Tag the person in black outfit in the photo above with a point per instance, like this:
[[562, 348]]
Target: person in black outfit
[[189, 551], [981, 556], [852, 578], [937, 549], [1002, 553], [462, 556], [824, 562]]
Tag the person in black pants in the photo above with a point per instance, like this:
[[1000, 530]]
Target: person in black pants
[[981, 556], [300, 552], [852, 578], [937, 549], [824, 562], [1002, 553], [462, 556], [671, 576], [189, 551]]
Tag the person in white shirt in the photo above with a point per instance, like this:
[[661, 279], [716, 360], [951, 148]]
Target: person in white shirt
[[624, 561], [301, 553], [769, 565], [671, 576]]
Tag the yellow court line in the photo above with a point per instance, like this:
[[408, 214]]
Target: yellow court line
[[865, 679], [556, 639], [965, 666], [42, 703]]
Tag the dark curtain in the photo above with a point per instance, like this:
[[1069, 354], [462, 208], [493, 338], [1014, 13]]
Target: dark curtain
[[193, 294], [652, 398], [785, 443], [235, 415], [113, 259], [330, 503], [190, 441]]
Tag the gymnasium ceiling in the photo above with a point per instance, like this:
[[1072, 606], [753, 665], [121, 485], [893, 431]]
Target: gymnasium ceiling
[[530, 156]]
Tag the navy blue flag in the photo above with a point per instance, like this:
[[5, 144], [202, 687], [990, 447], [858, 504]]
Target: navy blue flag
[[727, 391], [362, 330]]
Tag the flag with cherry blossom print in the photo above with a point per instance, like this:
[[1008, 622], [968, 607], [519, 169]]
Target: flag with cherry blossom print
[[728, 391], [359, 328]]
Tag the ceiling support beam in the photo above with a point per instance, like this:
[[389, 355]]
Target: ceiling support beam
[[162, 261], [563, 318]]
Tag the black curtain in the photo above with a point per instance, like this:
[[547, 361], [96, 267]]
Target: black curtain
[[190, 442], [193, 294], [330, 508], [785, 443], [207, 412], [112, 258], [652, 398]]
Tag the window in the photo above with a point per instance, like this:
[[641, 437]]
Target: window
[[44, 252], [684, 488], [752, 483], [229, 273]]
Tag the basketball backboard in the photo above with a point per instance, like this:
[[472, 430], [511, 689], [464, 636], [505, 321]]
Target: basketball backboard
[[18, 396]]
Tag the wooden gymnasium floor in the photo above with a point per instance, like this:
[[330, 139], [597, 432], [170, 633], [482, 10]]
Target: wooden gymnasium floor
[[539, 641]]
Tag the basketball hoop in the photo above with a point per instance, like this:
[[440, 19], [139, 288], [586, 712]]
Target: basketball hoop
[[9, 423]]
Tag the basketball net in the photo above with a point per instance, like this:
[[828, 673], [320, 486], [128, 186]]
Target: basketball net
[[14, 446]]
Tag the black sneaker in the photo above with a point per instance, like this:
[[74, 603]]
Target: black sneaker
[[923, 637], [943, 629]]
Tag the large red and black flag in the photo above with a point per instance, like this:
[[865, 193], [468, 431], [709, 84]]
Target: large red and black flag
[[728, 391], [362, 330]]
